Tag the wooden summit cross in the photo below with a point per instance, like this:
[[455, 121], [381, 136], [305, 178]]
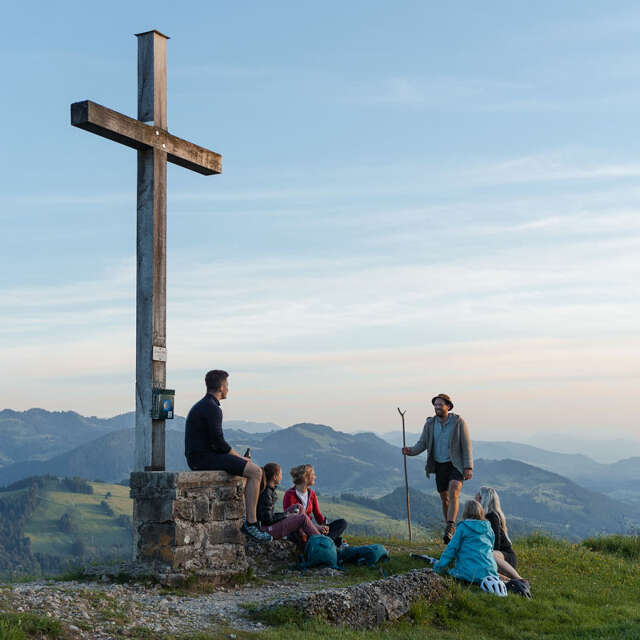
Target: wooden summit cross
[[155, 146]]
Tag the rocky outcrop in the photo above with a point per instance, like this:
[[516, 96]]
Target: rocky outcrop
[[270, 557], [367, 605]]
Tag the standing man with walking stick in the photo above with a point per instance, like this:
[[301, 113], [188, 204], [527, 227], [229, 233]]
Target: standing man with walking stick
[[445, 436]]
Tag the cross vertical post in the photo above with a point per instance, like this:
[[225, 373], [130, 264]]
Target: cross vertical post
[[155, 147], [151, 286]]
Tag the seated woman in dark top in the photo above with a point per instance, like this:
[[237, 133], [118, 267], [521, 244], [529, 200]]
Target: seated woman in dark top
[[503, 552], [280, 524]]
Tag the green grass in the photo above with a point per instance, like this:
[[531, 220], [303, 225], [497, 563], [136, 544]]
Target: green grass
[[24, 626], [101, 533], [362, 517], [625, 546], [579, 594]]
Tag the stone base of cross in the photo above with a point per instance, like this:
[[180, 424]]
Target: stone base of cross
[[155, 146]]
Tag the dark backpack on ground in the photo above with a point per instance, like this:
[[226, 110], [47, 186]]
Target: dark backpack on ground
[[320, 551], [369, 554]]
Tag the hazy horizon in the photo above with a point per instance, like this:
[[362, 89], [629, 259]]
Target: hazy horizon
[[602, 449]]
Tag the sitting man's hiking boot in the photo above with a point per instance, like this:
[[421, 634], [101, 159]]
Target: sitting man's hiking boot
[[521, 587], [450, 529], [254, 531]]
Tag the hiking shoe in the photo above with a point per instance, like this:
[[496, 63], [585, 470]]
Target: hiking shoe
[[521, 587], [253, 531], [448, 532]]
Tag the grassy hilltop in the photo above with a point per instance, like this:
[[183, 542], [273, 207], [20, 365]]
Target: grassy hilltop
[[582, 591]]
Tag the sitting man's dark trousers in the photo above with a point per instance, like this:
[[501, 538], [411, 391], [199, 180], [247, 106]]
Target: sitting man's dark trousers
[[204, 445], [336, 529]]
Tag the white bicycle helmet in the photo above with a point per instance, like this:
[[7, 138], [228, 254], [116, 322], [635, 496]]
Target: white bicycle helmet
[[493, 584]]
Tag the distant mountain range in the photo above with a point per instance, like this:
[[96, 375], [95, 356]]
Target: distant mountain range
[[620, 479], [540, 489], [38, 434], [602, 450], [344, 462]]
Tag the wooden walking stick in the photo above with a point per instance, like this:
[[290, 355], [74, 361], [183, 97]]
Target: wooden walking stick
[[406, 479]]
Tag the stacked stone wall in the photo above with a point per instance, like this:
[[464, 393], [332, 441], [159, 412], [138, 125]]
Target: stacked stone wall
[[188, 523]]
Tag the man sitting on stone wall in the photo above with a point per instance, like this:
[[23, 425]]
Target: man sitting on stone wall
[[206, 449]]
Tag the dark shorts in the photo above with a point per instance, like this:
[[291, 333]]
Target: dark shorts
[[445, 472], [210, 461]]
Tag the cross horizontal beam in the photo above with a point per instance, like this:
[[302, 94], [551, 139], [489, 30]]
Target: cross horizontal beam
[[138, 135]]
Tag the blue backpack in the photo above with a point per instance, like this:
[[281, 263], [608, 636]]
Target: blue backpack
[[369, 554], [320, 551]]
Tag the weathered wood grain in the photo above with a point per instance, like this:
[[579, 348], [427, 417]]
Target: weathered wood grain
[[144, 309], [152, 78], [115, 126]]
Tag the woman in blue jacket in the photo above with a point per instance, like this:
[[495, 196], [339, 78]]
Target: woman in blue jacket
[[471, 547]]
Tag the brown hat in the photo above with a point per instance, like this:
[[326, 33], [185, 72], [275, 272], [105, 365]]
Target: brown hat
[[445, 397]]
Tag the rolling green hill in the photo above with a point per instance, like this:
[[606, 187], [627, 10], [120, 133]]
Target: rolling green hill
[[50, 522], [47, 522], [101, 530], [426, 510], [67, 526], [367, 521]]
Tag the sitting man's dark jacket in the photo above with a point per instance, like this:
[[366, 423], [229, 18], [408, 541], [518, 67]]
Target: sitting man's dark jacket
[[203, 430], [266, 504]]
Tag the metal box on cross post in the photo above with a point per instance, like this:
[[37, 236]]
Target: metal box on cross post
[[162, 404]]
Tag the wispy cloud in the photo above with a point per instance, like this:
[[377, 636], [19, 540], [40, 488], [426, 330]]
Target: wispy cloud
[[549, 167], [411, 91], [349, 183]]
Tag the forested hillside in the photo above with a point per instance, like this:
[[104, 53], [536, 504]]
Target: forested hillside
[[46, 523]]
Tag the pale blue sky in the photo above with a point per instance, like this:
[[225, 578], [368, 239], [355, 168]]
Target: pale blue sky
[[415, 198]]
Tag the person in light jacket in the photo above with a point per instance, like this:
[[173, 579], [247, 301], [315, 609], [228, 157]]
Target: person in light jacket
[[446, 438], [471, 547]]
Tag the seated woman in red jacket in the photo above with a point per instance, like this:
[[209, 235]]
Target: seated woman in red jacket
[[304, 477], [279, 524]]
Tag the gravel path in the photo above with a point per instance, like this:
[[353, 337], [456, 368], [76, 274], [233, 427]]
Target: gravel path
[[105, 611]]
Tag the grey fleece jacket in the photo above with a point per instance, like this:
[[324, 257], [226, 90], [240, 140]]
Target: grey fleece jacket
[[459, 445]]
